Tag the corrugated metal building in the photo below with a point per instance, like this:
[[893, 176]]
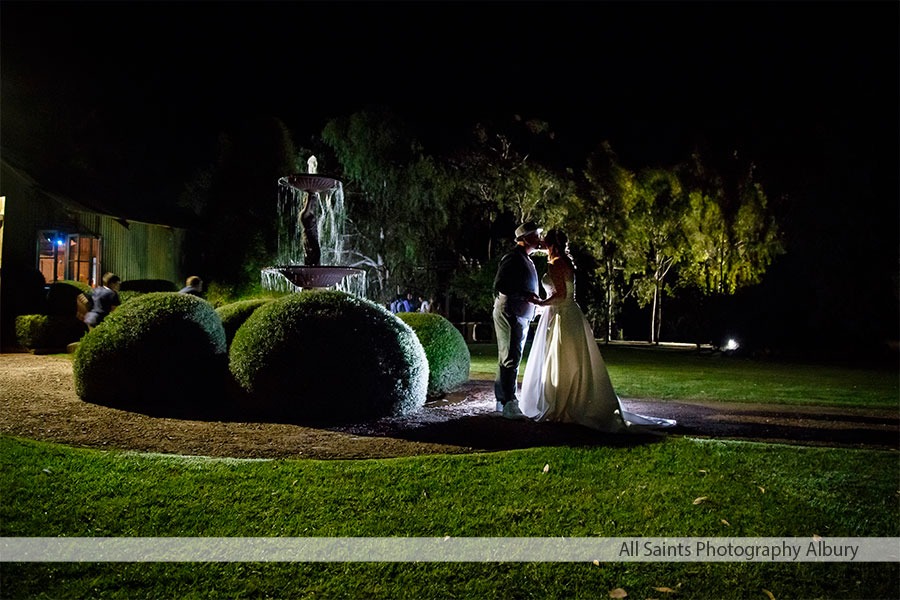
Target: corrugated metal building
[[65, 239]]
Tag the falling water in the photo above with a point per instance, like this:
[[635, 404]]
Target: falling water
[[275, 281], [331, 219]]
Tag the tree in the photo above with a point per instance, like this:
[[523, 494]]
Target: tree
[[732, 235], [655, 240], [499, 182], [612, 194], [236, 201], [397, 198]]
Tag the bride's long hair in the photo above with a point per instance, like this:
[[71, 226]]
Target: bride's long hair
[[558, 239]]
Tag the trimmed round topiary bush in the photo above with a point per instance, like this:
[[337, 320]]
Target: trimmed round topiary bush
[[328, 356], [233, 315], [161, 352], [446, 349], [146, 286]]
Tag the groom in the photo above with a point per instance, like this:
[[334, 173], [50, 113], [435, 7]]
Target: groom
[[515, 285]]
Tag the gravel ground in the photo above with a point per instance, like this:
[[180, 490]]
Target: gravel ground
[[38, 401]]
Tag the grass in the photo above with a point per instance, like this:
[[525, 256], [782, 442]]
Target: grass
[[668, 374], [639, 490]]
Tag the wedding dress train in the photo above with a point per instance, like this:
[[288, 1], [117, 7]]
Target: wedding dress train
[[566, 379]]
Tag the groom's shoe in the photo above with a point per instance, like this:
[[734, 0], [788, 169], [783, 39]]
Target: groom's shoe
[[511, 411]]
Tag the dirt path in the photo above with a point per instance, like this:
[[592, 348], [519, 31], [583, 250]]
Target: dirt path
[[38, 401]]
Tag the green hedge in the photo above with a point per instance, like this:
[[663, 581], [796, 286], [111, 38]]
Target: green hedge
[[63, 295], [233, 315], [328, 356], [160, 352], [128, 295], [146, 286], [446, 349], [48, 332]]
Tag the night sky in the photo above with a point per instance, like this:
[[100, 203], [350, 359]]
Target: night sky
[[808, 91]]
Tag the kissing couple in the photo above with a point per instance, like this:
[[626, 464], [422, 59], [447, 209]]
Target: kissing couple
[[565, 378]]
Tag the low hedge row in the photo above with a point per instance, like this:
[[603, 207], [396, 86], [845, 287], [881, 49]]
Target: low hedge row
[[48, 332]]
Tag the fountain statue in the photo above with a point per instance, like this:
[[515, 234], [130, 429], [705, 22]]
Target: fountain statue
[[311, 207]]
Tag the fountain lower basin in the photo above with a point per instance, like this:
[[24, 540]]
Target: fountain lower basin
[[315, 277]]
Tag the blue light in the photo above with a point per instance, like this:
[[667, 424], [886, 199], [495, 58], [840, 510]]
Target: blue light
[[60, 242]]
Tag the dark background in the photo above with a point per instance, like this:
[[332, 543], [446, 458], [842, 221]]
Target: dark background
[[135, 93]]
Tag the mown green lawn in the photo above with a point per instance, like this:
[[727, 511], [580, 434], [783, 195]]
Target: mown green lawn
[[668, 374], [647, 489]]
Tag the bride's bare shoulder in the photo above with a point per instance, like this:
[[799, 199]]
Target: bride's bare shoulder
[[563, 264]]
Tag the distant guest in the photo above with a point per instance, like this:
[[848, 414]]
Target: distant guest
[[409, 305], [105, 300], [194, 287]]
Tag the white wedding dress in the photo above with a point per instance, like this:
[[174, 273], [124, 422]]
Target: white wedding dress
[[566, 379]]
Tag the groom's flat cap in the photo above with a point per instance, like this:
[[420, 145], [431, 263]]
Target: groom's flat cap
[[525, 228]]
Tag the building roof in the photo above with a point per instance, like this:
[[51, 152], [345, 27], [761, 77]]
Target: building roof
[[68, 204]]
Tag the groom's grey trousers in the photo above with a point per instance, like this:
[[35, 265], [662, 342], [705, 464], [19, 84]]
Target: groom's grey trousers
[[515, 282], [511, 331]]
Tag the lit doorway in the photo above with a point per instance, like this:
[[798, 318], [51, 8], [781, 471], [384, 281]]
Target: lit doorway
[[74, 257]]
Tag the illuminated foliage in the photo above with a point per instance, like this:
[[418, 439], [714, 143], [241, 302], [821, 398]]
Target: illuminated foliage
[[397, 197], [329, 356], [445, 348], [732, 235]]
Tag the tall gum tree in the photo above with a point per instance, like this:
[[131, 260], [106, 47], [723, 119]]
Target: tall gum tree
[[655, 239], [611, 195], [732, 234]]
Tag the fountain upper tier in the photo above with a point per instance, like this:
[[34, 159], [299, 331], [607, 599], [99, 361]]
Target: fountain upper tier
[[310, 183], [310, 207]]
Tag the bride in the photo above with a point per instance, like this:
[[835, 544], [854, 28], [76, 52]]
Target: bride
[[565, 378]]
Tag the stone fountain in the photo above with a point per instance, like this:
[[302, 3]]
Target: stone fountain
[[311, 208]]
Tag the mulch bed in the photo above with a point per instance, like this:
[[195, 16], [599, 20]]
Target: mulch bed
[[38, 401]]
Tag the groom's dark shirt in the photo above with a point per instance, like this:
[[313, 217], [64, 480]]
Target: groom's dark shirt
[[517, 280]]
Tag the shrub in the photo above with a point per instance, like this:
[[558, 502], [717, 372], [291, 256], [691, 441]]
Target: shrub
[[48, 332], [219, 294], [233, 315], [128, 295], [146, 286], [446, 349], [329, 356], [160, 352], [62, 297], [23, 293]]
